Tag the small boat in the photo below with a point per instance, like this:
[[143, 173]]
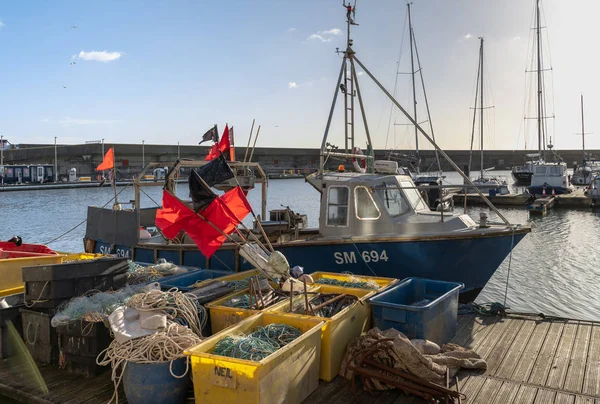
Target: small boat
[[593, 190], [485, 182], [522, 174]]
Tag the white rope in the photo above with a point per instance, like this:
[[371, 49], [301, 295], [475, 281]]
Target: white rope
[[160, 347], [512, 245], [174, 304], [33, 302]]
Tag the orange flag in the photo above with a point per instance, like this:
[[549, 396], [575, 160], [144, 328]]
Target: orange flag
[[108, 162]]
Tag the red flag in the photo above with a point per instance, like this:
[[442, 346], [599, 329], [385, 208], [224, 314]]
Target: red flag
[[225, 213], [109, 160], [222, 147]]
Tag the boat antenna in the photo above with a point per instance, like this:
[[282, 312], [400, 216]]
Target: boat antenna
[[539, 80], [414, 91]]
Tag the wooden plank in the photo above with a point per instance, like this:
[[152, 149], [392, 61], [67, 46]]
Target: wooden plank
[[507, 393], [471, 387], [564, 398], [488, 391], [503, 347], [544, 396], [487, 324], [525, 365], [560, 363], [525, 395], [579, 357], [486, 344], [466, 327], [591, 380], [513, 356], [585, 400], [542, 365]]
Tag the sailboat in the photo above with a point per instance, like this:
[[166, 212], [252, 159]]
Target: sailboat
[[372, 220], [495, 185], [548, 177], [583, 173]]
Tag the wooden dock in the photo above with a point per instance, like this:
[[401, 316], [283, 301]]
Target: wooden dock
[[574, 200], [530, 361]]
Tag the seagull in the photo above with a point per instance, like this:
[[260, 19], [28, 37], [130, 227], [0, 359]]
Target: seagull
[[73, 27], [72, 63], [64, 86]]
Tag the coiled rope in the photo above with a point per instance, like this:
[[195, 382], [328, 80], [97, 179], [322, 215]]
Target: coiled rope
[[174, 304], [259, 344], [160, 347], [352, 283]]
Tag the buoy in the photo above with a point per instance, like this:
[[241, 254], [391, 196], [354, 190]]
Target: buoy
[[553, 193], [544, 191]]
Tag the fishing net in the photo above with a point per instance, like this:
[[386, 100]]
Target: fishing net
[[259, 344], [353, 282], [142, 274], [93, 307]]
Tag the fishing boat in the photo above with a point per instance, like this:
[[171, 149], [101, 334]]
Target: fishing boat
[[583, 173], [548, 177], [485, 182], [372, 221], [593, 190]]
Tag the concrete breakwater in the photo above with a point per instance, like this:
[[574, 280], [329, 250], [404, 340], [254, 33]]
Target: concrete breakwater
[[276, 161]]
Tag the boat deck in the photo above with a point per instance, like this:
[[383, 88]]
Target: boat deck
[[530, 360]]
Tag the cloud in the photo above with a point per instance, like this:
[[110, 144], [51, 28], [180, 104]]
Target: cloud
[[45, 120], [326, 36], [103, 56], [292, 84], [468, 36], [516, 38], [291, 29], [2, 25], [68, 121]]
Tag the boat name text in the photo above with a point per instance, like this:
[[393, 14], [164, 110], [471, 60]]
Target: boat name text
[[367, 256]]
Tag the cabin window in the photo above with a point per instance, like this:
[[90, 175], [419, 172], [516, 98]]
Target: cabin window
[[555, 170], [49, 171], [9, 172], [337, 206], [26, 172], [413, 196], [392, 199], [540, 170], [366, 209]]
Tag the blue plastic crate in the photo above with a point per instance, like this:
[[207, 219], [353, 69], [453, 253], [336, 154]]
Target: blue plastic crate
[[419, 308], [184, 282]]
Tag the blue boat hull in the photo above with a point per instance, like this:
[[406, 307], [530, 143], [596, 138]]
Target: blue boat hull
[[469, 260]]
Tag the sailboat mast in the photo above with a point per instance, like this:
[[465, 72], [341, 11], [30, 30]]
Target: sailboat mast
[[539, 77], [412, 75], [481, 103], [582, 130]]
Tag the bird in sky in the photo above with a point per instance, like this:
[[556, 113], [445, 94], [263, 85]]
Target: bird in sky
[[72, 63], [73, 27], [64, 86]]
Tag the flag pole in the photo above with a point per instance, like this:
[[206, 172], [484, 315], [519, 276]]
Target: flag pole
[[231, 145], [114, 181], [249, 139]]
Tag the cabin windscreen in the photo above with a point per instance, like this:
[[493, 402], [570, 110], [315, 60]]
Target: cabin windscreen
[[414, 197], [366, 209], [392, 199], [337, 206]]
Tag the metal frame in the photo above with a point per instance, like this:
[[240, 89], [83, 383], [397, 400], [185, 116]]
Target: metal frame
[[347, 206]]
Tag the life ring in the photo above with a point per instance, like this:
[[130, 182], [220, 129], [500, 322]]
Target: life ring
[[356, 164]]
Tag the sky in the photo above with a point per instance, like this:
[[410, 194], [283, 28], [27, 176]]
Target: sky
[[164, 72]]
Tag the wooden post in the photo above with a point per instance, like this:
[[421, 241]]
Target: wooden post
[[249, 139]]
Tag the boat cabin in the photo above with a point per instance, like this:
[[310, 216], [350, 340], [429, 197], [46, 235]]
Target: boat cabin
[[20, 174], [551, 174], [358, 205]]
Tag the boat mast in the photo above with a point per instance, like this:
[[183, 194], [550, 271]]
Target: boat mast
[[481, 103], [582, 130], [539, 79], [412, 76]]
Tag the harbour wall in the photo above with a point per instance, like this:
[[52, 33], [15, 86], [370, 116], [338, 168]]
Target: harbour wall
[[275, 161]]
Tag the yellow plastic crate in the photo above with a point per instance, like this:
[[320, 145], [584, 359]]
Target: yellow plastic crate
[[289, 375], [238, 276], [80, 256], [11, 280], [339, 330], [383, 283], [222, 316]]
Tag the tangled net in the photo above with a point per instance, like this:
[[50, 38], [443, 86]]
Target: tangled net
[[259, 344], [160, 347], [142, 274], [93, 307], [178, 306], [352, 283]]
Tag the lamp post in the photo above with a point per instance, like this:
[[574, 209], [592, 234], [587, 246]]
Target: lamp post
[[143, 156], [178, 150], [55, 162], [102, 157]]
